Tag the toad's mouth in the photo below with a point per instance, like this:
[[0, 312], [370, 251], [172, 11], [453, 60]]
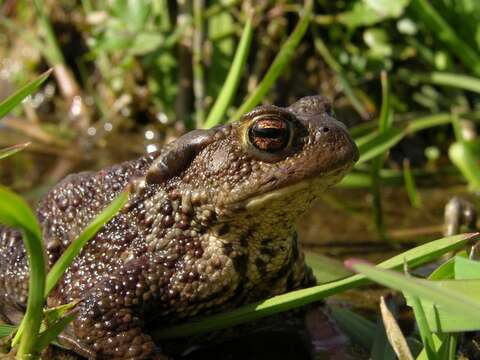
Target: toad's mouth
[[313, 185]]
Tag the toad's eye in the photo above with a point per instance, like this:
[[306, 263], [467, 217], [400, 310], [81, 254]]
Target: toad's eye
[[269, 134]]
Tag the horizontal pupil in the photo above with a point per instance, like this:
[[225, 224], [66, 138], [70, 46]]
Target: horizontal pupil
[[269, 132]]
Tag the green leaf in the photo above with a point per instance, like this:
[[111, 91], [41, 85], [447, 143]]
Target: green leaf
[[410, 186], [52, 332], [61, 265], [9, 151], [465, 159], [6, 330], [444, 271], [466, 269], [423, 327], [426, 13], [235, 73], [13, 100], [15, 212], [459, 298], [388, 8], [454, 80], [379, 143], [326, 269], [54, 314], [146, 42], [280, 303], [359, 329]]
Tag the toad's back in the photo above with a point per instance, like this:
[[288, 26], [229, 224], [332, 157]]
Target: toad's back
[[209, 226]]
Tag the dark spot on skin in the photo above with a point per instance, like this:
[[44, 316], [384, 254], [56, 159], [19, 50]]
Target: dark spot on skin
[[261, 266], [290, 283], [223, 229], [267, 251], [266, 242], [227, 249], [295, 252], [240, 263], [245, 236]]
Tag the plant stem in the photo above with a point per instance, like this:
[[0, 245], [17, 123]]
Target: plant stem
[[198, 74]]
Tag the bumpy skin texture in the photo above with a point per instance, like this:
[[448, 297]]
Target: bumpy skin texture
[[209, 226]]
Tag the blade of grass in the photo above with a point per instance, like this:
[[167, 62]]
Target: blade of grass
[[280, 303], [61, 265], [454, 80], [323, 50], [410, 186], [6, 330], [423, 328], [52, 332], [465, 160], [13, 100], [424, 289], [51, 50], [15, 212], [281, 60], [197, 50], [233, 78], [385, 123], [427, 14], [359, 329], [379, 144], [9, 151], [466, 268], [326, 269]]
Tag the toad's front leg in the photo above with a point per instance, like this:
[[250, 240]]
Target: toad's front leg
[[110, 324]]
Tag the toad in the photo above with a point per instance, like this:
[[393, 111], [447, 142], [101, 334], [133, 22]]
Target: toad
[[210, 225]]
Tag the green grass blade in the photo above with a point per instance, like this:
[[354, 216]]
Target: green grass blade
[[466, 269], [427, 122], [233, 78], [410, 186], [359, 329], [386, 116], [326, 269], [6, 330], [323, 50], [424, 289], [13, 100], [15, 212], [445, 319], [52, 332], [414, 257], [197, 57], [465, 159], [9, 151], [379, 144], [427, 14], [75, 247], [280, 62], [385, 123], [454, 80], [423, 328]]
